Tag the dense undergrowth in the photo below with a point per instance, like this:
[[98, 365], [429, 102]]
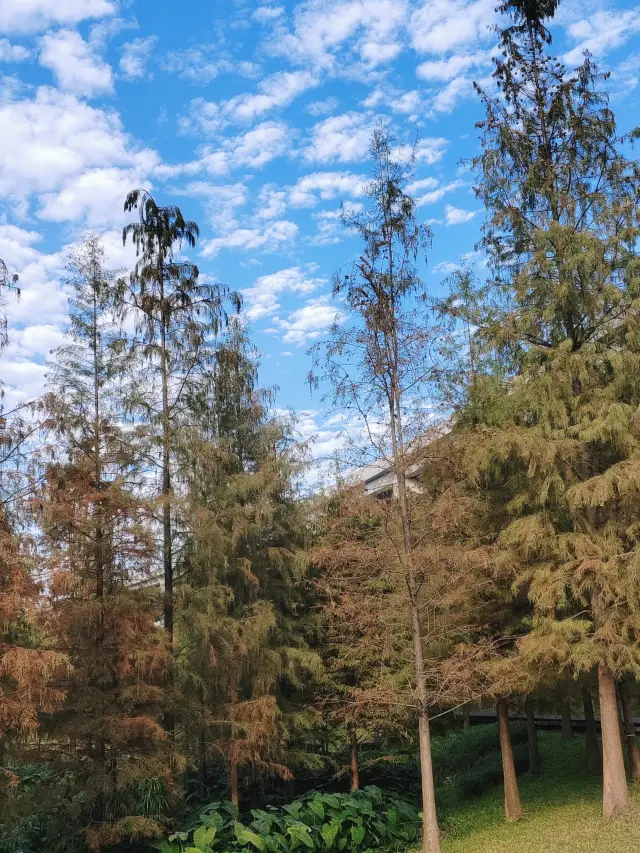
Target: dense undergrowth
[[361, 820], [47, 812], [467, 763]]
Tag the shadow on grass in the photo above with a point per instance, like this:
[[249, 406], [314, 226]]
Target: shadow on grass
[[563, 782]]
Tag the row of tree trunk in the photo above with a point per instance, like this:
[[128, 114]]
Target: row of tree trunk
[[616, 720]]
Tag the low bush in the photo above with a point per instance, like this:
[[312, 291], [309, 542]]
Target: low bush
[[330, 823]]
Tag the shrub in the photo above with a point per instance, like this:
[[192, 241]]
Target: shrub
[[330, 823]]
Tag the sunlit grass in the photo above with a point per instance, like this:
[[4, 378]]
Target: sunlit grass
[[562, 807]]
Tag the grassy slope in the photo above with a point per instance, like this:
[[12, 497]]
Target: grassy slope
[[563, 812]]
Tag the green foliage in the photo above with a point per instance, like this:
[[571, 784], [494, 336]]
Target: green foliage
[[333, 823]]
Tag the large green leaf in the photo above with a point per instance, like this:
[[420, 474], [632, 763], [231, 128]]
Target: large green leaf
[[248, 836], [299, 832], [203, 836], [316, 807], [357, 834], [329, 832]]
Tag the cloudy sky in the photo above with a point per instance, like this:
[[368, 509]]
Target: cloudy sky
[[254, 117]]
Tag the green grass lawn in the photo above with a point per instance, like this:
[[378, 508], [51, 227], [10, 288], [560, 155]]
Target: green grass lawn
[[562, 812]]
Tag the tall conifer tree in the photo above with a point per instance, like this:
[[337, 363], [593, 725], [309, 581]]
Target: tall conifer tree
[[243, 611], [176, 316], [555, 439], [98, 546], [379, 365]]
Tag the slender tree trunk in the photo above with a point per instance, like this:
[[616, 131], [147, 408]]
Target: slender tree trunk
[[233, 776], [233, 746], [630, 732], [355, 770], [108, 773], [567, 728], [431, 832], [167, 544], [202, 758], [466, 719], [594, 758], [615, 797], [512, 807], [532, 737]]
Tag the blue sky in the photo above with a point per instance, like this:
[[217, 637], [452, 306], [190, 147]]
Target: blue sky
[[254, 118]]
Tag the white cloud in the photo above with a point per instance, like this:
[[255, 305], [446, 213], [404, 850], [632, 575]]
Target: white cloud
[[428, 150], [94, 197], [34, 15], [626, 76], [253, 149], [272, 202], [74, 64], [316, 186], [445, 268], [260, 145], [12, 52], [405, 103], [54, 143], [344, 138], [221, 201], [201, 64], [266, 14], [261, 300], [309, 322], [438, 26], [275, 91], [602, 32], [42, 298], [135, 55], [457, 216], [321, 108], [330, 227], [447, 98], [37, 340], [446, 69], [326, 33], [265, 239], [435, 192]]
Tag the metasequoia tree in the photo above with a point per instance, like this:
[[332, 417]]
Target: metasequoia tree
[[554, 424], [175, 317], [97, 545], [365, 636], [243, 609], [378, 366], [369, 636], [27, 670]]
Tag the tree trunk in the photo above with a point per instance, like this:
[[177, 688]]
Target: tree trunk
[[167, 544], [233, 746], [355, 771], [431, 832], [202, 759], [594, 758], [512, 807], [466, 719], [233, 777], [615, 797], [532, 737], [567, 728], [629, 732]]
